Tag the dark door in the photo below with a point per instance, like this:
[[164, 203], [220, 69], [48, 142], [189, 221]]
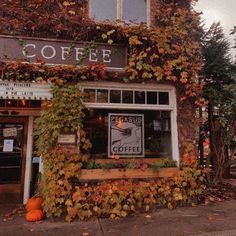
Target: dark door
[[12, 158]]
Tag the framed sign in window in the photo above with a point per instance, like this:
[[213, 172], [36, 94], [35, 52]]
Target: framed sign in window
[[125, 135]]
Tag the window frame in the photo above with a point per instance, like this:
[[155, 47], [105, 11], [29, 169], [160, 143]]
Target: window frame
[[119, 10], [172, 106]]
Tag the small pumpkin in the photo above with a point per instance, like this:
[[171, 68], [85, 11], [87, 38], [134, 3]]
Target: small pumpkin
[[34, 215], [34, 203]]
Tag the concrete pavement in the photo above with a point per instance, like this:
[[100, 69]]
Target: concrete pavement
[[216, 219]]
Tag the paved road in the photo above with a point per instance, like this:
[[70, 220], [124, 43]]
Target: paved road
[[217, 219]]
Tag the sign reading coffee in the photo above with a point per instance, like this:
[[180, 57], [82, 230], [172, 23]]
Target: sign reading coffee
[[56, 52], [126, 135]]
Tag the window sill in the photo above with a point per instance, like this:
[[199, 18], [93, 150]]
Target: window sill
[[101, 174]]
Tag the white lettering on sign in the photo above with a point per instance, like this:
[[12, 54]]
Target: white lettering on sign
[[61, 52], [50, 49], [14, 90], [65, 52], [126, 135], [79, 52], [106, 54], [50, 52], [25, 50], [93, 55]]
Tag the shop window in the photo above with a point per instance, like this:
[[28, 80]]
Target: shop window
[[11, 103], [35, 103], [155, 133], [151, 97], [139, 97], [156, 140], [133, 11], [127, 97], [89, 95], [115, 96], [102, 96], [2, 103], [163, 98], [20, 103], [23, 103]]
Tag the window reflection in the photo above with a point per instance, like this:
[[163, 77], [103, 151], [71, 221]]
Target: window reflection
[[151, 97], [164, 98], [102, 95], [127, 97], [89, 95], [157, 132], [115, 96]]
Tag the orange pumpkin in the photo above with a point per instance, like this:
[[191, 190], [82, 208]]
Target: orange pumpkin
[[34, 215], [34, 203]]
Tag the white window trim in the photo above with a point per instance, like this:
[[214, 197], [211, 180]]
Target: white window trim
[[119, 11], [172, 107]]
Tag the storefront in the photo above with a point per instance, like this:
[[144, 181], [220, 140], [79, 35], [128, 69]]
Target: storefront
[[20, 103], [131, 120], [135, 121]]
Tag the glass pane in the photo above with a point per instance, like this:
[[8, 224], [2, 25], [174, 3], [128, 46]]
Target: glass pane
[[157, 134], [89, 95], [139, 97], [2, 103], [164, 98], [127, 97], [151, 97], [23, 103], [102, 95], [135, 11], [35, 103], [103, 9], [11, 144], [11, 103], [95, 126], [115, 96]]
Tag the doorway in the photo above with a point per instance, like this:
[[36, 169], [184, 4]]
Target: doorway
[[13, 138]]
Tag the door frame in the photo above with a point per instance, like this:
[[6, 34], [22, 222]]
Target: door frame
[[13, 187]]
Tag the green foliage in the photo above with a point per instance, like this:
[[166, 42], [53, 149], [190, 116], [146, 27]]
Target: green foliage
[[163, 164], [123, 164], [61, 170], [167, 52], [219, 76], [119, 198], [63, 114]]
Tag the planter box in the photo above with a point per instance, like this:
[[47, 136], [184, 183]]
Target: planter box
[[100, 174]]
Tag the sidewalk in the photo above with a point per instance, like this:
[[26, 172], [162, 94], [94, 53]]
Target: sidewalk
[[204, 220]]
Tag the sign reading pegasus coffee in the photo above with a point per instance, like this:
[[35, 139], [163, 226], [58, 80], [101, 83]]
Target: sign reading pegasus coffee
[[59, 52]]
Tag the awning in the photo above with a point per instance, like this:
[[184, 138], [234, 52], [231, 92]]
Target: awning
[[24, 90]]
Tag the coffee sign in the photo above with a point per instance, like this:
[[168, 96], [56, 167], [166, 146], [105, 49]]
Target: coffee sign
[[59, 52], [126, 135]]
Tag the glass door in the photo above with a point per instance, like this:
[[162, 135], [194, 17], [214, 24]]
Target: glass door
[[11, 148], [12, 161]]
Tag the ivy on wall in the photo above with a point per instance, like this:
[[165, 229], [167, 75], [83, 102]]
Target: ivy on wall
[[167, 52], [62, 115]]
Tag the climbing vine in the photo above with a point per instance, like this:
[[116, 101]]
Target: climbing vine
[[62, 115], [167, 52]]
